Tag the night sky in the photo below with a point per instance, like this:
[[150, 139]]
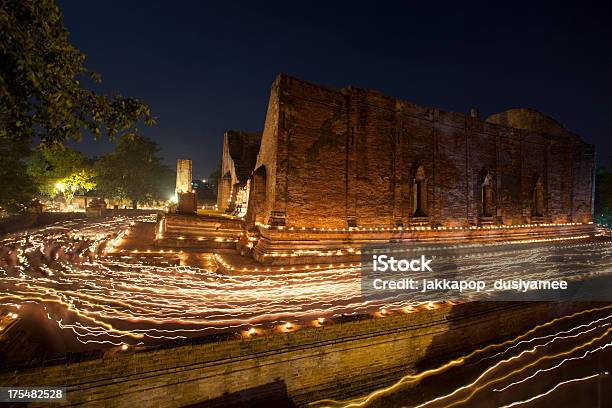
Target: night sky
[[207, 67]]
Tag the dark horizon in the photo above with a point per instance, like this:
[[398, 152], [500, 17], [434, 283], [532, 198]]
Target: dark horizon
[[205, 69]]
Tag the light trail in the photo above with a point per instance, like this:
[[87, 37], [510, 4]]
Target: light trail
[[365, 400], [545, 370], [547, 336], [510, 374], [138, 296], [535, 397]]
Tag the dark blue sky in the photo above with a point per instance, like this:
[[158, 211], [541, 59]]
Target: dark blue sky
[[205, 67]]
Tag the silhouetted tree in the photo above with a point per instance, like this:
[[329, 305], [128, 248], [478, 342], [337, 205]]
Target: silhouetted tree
[[42, 96], [134, 172]]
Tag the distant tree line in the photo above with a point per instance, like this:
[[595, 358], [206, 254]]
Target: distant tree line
[[132, 171]]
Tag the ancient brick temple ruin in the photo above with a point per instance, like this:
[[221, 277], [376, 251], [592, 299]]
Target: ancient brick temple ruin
[[336, 168], [334, 158], [240, 151]]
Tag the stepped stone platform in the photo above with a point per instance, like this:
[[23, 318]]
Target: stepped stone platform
[[204, 232], [269, 246]]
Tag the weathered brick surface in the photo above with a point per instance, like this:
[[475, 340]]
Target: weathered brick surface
[[337, 158], [582, 193], [272, 146]]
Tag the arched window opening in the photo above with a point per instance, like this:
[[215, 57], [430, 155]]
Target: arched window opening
[[419, 189], [538, 198], [242, 200], [486, 196]]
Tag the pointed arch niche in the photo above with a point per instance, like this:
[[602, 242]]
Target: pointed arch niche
[[485, 197], [419, 195], [538, 200]]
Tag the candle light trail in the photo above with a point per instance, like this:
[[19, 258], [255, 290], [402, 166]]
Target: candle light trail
[[410, 378], [513, 372], [586, 353], [535, 397], [104, 294]]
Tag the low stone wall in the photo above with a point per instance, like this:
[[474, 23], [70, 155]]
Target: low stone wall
[[335, 361], [16, 223], [21, 222]]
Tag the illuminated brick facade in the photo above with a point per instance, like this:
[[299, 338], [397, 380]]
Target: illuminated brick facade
[[334, 158]]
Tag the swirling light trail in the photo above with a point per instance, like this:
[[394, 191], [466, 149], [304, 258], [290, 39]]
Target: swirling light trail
[[365, 400], [535, 397], [510, 374]]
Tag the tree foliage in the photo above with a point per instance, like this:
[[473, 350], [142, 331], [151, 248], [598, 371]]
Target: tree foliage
[[134, 172], [17, 187], [42, 96], [81, 180], [61, 170]]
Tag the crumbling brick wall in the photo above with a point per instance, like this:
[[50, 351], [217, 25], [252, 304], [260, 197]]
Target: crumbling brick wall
[[240, 150], [337, 158]]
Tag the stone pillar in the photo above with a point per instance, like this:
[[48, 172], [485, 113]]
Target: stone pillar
[[224, 192], [183, 176], [257, 198], [231, 204]]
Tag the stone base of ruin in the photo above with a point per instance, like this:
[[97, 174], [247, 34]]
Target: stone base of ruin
[[276, 246], [198, 232], [280, 246], [187, 203]]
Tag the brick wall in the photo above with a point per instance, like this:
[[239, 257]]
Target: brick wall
[[335, 361], [337, 158], [268, 164]]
